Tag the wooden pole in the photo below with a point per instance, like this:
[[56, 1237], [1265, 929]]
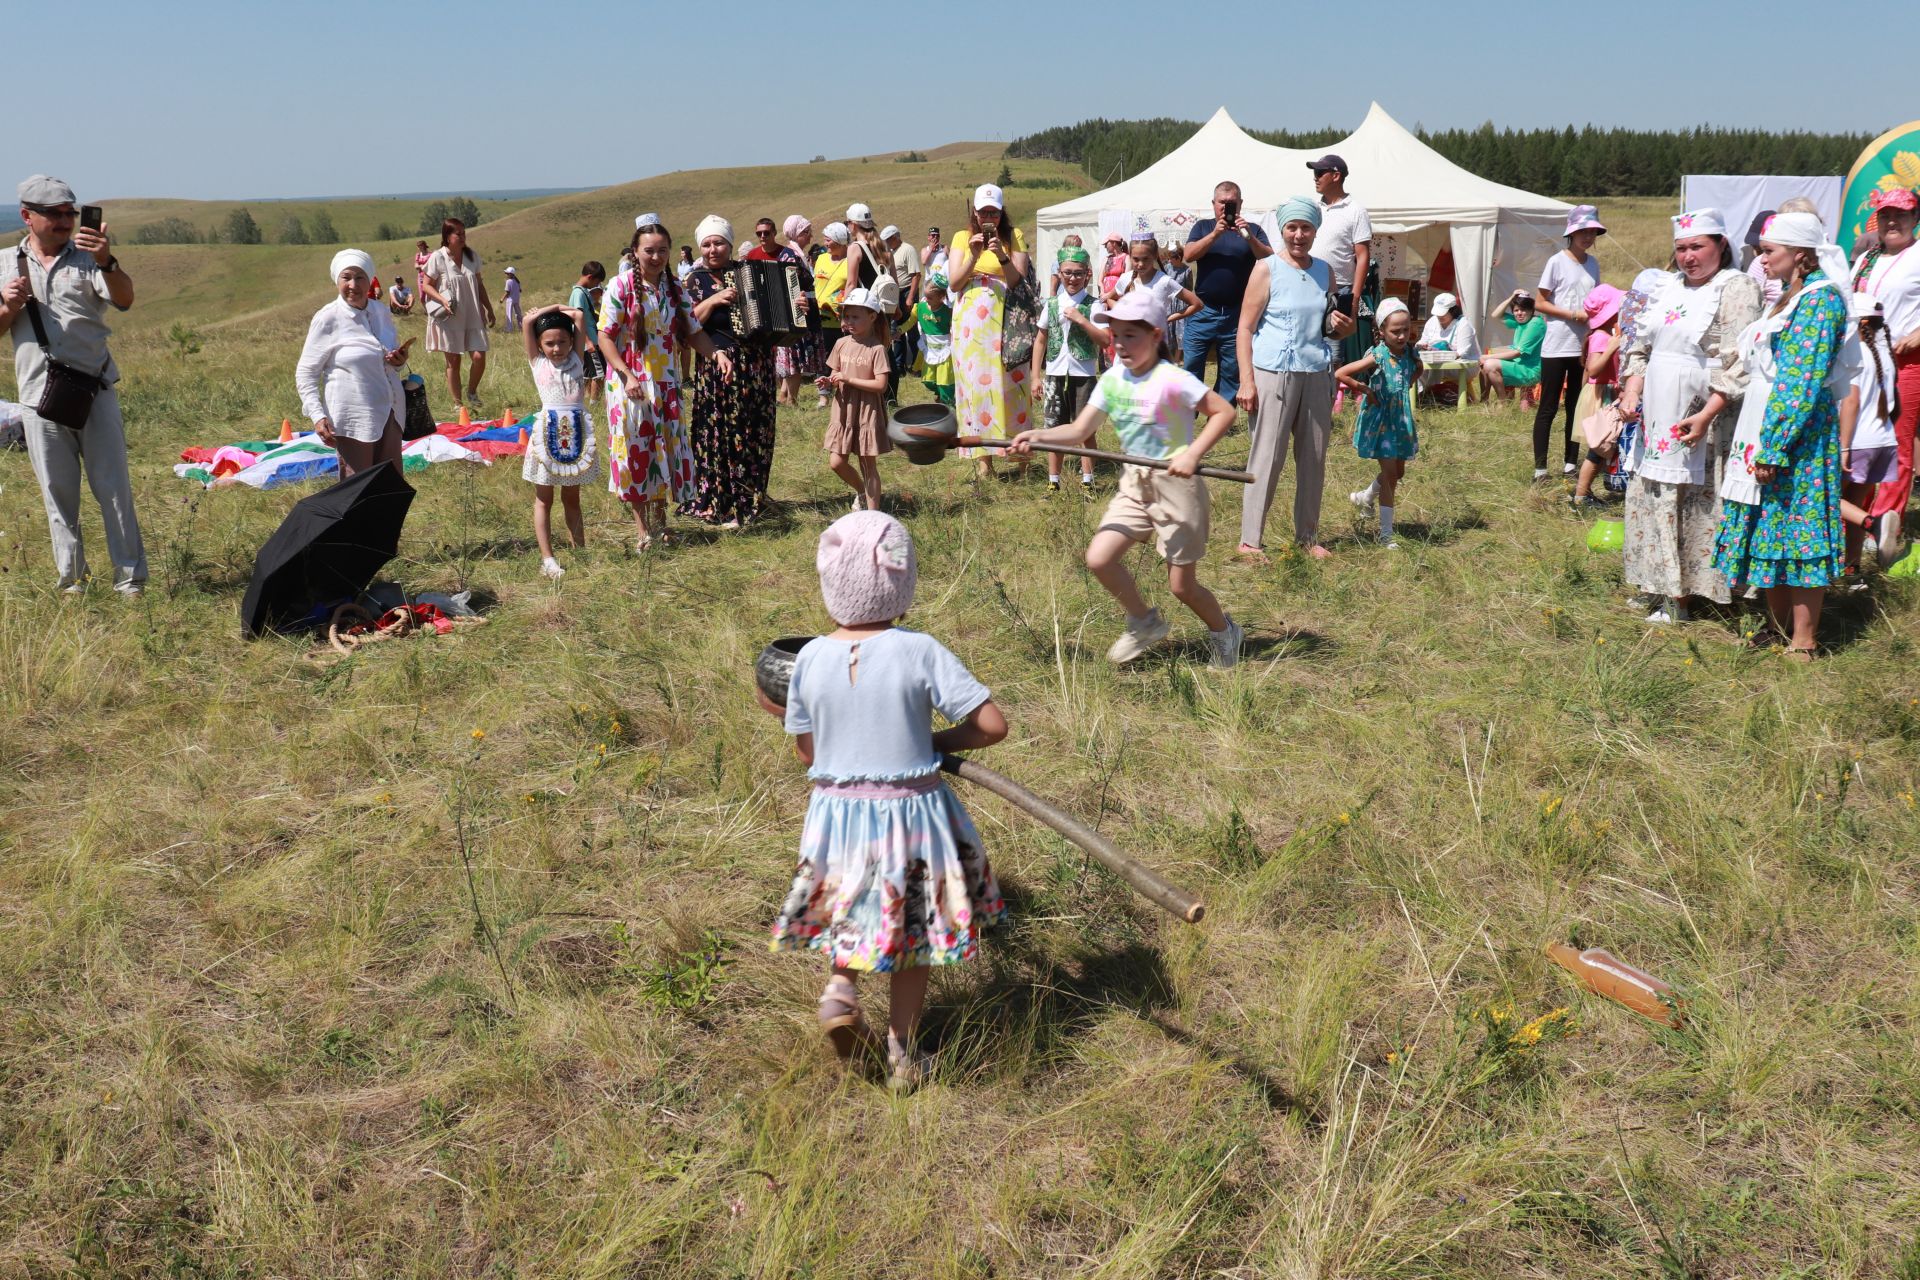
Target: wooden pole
[[1102, 455], [1141, 879]]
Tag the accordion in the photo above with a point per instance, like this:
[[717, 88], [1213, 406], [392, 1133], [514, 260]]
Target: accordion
[[768, 307]]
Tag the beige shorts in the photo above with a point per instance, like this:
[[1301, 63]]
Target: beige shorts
[[1171, 510]]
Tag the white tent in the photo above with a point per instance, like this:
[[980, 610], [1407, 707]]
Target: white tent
[[1501, 236]]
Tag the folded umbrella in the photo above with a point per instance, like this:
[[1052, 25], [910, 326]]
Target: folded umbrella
[[328, 548]]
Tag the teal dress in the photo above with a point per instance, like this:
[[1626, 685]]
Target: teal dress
[[1524, 369], [1385, 428], [1792, 537]]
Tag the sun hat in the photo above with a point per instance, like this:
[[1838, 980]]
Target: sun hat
[[45, 191], [1602, 304], [866, 567], [1699, 222], [860, 215], [1443, 303], [988, 196], [352, 258], [1583, 217], [838, 233], [713, 225], [1299, 209], [1329, 163], [1142, 305]]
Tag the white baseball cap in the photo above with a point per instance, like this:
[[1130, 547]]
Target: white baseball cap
[[989, 196], [889, 231], [860, 298], [861, 214], [1443, 303]]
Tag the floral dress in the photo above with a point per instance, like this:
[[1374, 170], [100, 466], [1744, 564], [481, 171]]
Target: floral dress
[[989, 399], [647, 455], [1385, 428], [731, 419], [1792, 537]]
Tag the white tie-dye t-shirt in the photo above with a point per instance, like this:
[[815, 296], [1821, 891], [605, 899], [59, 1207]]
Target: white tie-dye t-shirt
[[1154, 413]]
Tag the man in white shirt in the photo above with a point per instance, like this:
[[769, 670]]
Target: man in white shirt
[[906, 274], [1345, 240]]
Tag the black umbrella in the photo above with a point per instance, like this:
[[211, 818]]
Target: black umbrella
[[328, 548]]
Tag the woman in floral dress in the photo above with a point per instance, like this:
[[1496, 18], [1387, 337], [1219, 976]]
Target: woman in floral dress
[[732, 417], [1683, 379], [1781, 532], [987, 256], [645, 323]]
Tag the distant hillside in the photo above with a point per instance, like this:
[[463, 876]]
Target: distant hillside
[[546, 240], [1600, 162]]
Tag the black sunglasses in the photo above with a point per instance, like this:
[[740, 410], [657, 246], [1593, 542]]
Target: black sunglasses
[[46, 212]]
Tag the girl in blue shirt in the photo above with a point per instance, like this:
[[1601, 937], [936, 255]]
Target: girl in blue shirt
[[893, 877]]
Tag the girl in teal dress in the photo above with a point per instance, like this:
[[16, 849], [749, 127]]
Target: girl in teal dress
[[1790, 542], [1385, 430]]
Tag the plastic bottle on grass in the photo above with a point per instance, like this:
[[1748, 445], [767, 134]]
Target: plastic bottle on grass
[[1605, 974]]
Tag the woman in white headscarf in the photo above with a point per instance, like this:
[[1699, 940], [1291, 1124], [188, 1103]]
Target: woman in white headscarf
[[1682, 375], [731, 422], [1781, 529], [349, 370]]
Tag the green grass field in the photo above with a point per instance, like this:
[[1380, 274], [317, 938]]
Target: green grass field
[[447, 959]]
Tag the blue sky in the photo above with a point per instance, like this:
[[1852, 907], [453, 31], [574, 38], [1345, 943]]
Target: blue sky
[[213, 99]]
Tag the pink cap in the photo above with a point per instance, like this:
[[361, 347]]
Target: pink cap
[[1139, 303], [1583, 217], [1602, 304]]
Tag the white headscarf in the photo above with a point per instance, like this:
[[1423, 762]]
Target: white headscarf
[[713, 225], [350, 258], [837, 232], [1388, 307], [1805, 231]]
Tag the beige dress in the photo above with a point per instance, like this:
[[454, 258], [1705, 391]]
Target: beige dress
[[857, 423], [465, 331], [1670, 527]]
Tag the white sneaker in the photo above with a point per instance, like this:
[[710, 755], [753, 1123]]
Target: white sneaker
[[1141, 635], [1668, 611], [1389, 543], [549, 567], [1225, 644], [1568, 469], [1363, 500], [1539, 474]]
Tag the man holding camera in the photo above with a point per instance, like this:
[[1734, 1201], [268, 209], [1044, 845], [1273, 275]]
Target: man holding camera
[[1224, 247], [55, 289]]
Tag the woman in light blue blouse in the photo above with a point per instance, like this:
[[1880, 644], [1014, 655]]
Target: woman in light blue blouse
[[1285, 341]]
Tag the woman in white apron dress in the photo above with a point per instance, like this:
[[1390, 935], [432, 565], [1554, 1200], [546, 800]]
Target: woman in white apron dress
[[1682, 372]]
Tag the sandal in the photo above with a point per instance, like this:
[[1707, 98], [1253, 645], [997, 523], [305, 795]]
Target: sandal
[[844, 1024], [907, 1068], [1795, 653]]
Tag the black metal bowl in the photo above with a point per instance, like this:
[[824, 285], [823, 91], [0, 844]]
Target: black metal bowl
[[773, 669]]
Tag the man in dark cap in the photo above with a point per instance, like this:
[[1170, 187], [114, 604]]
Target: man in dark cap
[[55, 289], [1345, 242]]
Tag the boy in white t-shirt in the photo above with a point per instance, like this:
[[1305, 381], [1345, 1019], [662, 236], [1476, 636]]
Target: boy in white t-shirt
[[1066, 355], [1152, 405]]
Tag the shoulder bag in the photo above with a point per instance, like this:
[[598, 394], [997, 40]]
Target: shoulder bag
[[67, 395]]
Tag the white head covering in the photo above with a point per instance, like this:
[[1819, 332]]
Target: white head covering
[[646, 220], [1699, 222], [837, 232], [1388, 307], [1805, 231], [889, 231], [1443, 303], [713, 225], [350, 258], [989, 196]]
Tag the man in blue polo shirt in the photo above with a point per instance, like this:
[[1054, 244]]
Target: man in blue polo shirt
[[1224, 249]]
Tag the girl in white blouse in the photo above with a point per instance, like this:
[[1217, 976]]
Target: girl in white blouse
[[348, 375]]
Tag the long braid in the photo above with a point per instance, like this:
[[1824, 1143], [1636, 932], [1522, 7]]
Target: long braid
[[1889, 393]]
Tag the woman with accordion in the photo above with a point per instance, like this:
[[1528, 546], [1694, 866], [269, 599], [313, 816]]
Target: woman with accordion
[[731, 430]]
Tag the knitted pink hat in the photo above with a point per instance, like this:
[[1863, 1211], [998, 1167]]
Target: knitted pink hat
[[866, 568]]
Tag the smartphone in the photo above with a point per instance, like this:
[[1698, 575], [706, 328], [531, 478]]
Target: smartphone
[[1230, 211], [90, 216]]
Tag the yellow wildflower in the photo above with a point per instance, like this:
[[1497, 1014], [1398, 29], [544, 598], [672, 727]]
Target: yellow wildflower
[[1551, 807], [1345, 818], [614, 727], [479, 734]]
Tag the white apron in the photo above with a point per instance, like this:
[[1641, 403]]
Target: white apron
[[1679, 380]]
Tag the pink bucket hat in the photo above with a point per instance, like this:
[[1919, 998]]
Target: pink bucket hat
[[867, 571], [1583, 217], [1602, 304], [1139, 304]]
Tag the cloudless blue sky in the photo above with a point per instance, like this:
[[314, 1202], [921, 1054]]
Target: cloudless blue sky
[[216, 99]]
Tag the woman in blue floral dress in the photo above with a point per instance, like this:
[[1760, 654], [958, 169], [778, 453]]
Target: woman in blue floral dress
[[1780, 524]]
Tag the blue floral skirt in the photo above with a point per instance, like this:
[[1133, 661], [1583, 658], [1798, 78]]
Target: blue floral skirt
[[891, 876], [1741, 557]]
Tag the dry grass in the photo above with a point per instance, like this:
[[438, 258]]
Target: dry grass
[[254, 1027]]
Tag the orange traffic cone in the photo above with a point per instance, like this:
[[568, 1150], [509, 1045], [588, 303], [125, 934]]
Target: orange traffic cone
[[466, 419], [286, 430]]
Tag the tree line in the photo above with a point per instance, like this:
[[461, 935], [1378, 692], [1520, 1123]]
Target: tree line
[[1568, 161], [240, 227]]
